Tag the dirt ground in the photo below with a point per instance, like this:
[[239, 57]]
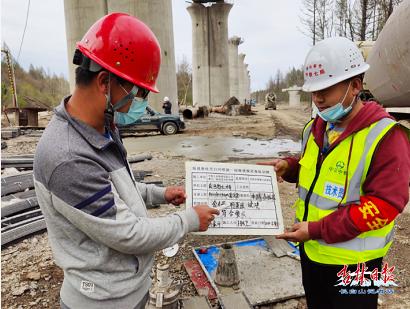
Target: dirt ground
[[30, 279]]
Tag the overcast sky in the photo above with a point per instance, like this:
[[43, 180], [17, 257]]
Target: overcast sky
[[269, 28]]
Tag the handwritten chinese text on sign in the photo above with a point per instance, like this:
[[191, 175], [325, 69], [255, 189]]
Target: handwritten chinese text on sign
[[247, 196]]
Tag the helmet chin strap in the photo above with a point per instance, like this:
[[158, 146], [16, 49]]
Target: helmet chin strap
[[108, 120], [109, 111], [350, 107], [125, 99], [353, 101], [344, 97], [110, 108]]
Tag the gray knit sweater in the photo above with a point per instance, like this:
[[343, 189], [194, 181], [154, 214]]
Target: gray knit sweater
[[96, 216]]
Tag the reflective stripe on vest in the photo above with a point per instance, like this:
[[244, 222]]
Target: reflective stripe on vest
[[355, 181], [366, 246], [362, 244], [358, 176]]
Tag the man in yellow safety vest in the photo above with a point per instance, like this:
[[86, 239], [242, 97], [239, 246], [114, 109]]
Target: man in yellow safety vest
[[353, 180]]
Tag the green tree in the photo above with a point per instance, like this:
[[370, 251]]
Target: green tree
[[184, 81], [35, 83]]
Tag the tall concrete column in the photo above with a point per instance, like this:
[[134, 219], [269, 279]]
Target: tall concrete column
[[245, 82], [241, 77], [210, 60], [157, 15], [200, 55], [233, 66], [248, 85], [80, 15], [294, 95]]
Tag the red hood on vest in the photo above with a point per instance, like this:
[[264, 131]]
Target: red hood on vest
[[369, 114]]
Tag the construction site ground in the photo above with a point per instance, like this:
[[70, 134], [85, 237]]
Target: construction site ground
[[30, 278]]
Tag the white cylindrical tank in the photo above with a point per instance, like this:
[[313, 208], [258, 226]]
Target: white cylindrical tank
[[80, 15], [157, 15], [210, 60], [233, 66], [388, 78]]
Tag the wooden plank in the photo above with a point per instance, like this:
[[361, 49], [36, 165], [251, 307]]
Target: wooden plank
[[199, 279]]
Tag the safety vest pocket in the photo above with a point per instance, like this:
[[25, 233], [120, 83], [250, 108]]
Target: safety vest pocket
[[308, 161], [300, 208], [334, 255]]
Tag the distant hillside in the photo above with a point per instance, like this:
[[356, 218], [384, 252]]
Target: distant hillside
[[36, 84]]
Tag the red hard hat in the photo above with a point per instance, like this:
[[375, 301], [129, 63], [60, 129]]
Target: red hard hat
[[125, 46]]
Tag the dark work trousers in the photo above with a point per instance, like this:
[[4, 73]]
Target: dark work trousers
[[319, 282], [167, 106]]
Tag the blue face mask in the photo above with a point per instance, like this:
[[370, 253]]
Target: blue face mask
[[336, 112], [136, 111]]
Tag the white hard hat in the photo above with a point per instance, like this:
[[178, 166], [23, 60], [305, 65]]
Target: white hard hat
[[166, 99], [331, 61]]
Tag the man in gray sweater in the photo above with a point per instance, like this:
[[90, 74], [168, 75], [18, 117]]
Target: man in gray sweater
[[95, 211]]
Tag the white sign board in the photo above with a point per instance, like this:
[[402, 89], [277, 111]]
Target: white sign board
[[246, 195]]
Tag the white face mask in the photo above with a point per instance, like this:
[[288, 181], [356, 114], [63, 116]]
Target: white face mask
[[337, 112]]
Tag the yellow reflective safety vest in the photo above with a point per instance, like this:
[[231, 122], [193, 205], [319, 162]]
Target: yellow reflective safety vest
[[338, 181]]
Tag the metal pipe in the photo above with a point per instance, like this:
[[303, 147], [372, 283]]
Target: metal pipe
[[190, 112]]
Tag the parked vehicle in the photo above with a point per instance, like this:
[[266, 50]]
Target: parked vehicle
[[167, 124]]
